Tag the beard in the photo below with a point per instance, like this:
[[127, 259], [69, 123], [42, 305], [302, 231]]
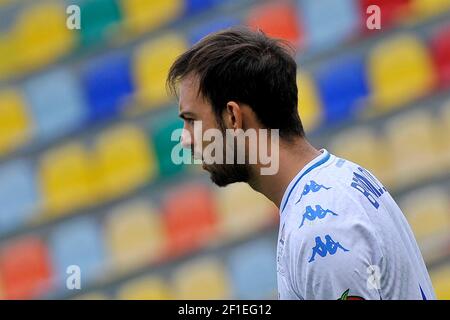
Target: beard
[[225, 174]]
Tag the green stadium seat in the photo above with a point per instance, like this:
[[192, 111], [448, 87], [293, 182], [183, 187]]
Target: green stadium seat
[[145, 288], [65, 179], [151, 63], [26, 270], [403, 75], [125, 160], [15, 122], [243, 211], [190, 218], [39, 46], [202, 279], [100, 19], [143, 15], [134, 235], [278, 20]]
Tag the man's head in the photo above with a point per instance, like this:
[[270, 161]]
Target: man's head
[[236, 79]]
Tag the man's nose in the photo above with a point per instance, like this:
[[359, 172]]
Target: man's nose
[[186, 139]]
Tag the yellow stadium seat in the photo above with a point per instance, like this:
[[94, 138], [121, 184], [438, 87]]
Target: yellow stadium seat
[[413, 144], [134, 235], [400, 70], [441, 282], [242, 210], [125, 160], [444, 134], [144, 15], [42, 35], [151, 65], [14, 121], [428, 212], [364, 147], [427, 8], [147, 288], [309, 106], [203, 279], [8, 56], [65, 179]]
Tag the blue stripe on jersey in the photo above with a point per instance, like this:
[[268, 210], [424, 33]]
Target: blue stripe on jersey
[[325, 158]]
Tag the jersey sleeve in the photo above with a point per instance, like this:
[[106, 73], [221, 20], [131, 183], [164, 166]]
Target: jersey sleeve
[[337, 255]]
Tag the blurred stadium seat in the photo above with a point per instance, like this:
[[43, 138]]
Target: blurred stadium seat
[[46, 94], [427, 8], [8, 60], [252, 272], [204, 278], [328, 22], [392, 11], [77, 242], [108, 85], [125, 160], [15, 122], [65, 179], [134, 236], [441, 54], [309, 104], [342, 86], [190, 218], [278, 20], [441, 282], [145, 288], [26, 268], [19, 195], [405, 74], [213, 26]]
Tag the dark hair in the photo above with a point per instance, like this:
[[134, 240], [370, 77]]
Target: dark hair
[[246, 66]]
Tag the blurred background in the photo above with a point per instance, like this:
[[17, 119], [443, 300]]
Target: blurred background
[[86, 176]]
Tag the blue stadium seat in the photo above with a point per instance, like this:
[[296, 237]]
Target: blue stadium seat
[[328, 22], [342, 86], [108, 84], [197, 6], [253, 270], [56, 103], [18, 195], [77, 242], [215, 25]]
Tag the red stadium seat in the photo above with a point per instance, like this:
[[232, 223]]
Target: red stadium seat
[[277, 20], [190, 219], [25, 269], [392, 11], [441, 55]]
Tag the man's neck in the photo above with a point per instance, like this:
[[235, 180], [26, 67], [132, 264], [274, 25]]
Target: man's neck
[[293, 157]]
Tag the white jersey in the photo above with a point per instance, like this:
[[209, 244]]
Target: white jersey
[[342, 236]]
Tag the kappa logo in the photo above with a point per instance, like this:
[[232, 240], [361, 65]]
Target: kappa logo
[[312, 187], [329, 247], [319, 213]]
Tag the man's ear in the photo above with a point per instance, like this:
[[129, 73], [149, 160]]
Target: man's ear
[[232, 115]]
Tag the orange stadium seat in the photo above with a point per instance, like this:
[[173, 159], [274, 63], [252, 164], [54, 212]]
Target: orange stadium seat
[[278, 20], [403, 75], [151, 63], [428, 212], [26, 268], [412, 143], [201, 279], [441, 55], [65, 179], [134, 236], [243, 211], [144, 15], [309, 104], [145, 288], [125, 160], [441, 282], [190, 218], [365, 147], [15, 122], [38, 46]]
